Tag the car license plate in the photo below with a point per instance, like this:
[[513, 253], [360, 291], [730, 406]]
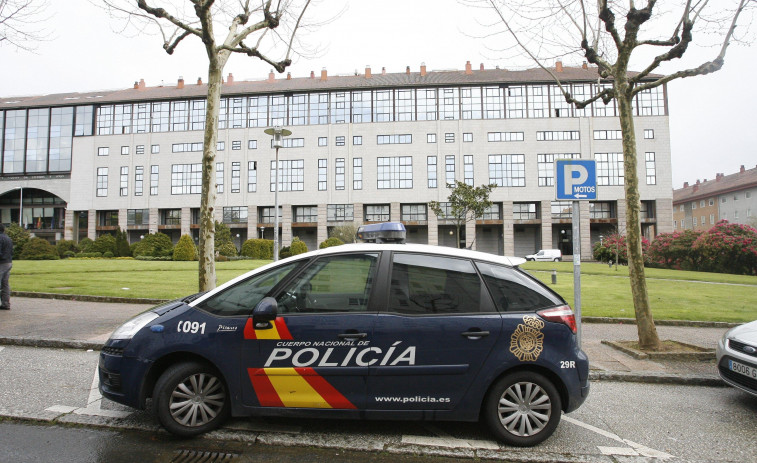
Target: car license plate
[[742, 369]]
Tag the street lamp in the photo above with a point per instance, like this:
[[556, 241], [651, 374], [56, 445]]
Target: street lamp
[[278, 134]]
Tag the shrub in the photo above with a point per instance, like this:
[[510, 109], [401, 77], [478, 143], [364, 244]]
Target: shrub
[[108, 255], [613, 248], [122, 244], [152, 258], [69, 254], [674, 250], [227, 250], [222, 241], [257, 248], [39, 249], [66, 246], [154, 245], [104, 243], [85, 245], [333, 241], [346, 233], [185, 249], [298, 247], [728, 248], [19, 236], [285, 252]]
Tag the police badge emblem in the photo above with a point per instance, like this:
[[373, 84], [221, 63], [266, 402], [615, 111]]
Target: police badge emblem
[[527, 341]]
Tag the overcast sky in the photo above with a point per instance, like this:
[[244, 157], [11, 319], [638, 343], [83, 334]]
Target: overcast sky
[[711, 130]]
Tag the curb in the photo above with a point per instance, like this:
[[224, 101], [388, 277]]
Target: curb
[[632, 321], [49, 343], [701, 354]]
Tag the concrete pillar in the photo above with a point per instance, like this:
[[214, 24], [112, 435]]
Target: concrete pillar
[[546, 225], [70, 226], [394, 212], [322, 232], [664, 215], [286, 225], [123, 218], [92, 224], [186, 220], [357, 213], [508, 228], [621, 228], [433, 228], [154, 220], [584, 214], [470, 234], [252, 222]]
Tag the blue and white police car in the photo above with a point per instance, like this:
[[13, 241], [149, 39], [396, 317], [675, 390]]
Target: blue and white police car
[[365, 331]]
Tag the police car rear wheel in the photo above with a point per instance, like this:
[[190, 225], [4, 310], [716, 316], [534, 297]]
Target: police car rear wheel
[[190, 399], [522, 409]]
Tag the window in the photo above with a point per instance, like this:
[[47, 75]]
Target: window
[[394, 139], [220, 146], [170, 217], [139, 176], [693, 205], [723, 199], [712, 202], [266, 215], [138, 217], [504, 136], [124, 151], [140, 149], [430, 138], [609, 168], [179, 116], [449, 137], [319, 108], [413, 213], [493, 212], [159, 116], [467, 137], [650, 102], [514, 292], [652, 170], [404, 105], [102, 181], [323, 141], [702, 220], [340, 213], [331, 284], [339, 174], [340, 141], [153, 180], [431, 171], [601, 210], [185, 179], [186, 147], [680, 208], [735, 197], [154, 149], [291, 175], [197, 115], [361, 107], [252, 176], [546, 166], [695, 221], [306, 214], [258, 111], [468, 169], [395, 172], [357, 140], [515, 101], [123, 189], [701, 203], [507, 169], [291, 143], [470, 103], [648, 134], [357, 173], [748, 194], [736, 214], [252, 144], [562, 209], [558, 136], [426, 103], [382, 106], [219, 177], [236, 174], [236, 145], [235, 214], [107, 218], [449, 169], [525, 211], [538, 100], [84, 119], [377, 213], [340, 112], [102, 151], [433, 285], [608, 135], [298, 109], [323, 174]]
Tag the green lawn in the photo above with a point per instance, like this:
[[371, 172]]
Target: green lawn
[[605, 292]]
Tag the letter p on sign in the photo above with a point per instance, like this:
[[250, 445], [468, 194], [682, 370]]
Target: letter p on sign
[[574, 175], [576, 179]]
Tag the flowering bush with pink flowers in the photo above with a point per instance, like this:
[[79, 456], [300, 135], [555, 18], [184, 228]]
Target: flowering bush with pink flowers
[[673, 250], [606, 250], [727, 248]]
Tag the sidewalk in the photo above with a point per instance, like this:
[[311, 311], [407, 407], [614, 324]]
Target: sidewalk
[[87, 325]]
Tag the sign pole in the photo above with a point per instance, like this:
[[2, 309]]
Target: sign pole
[[577, 269]]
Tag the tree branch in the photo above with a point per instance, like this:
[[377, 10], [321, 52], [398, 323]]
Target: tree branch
[[163, 14]]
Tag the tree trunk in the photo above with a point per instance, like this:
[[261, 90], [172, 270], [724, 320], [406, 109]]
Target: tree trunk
[[207, 271], [648, 338]]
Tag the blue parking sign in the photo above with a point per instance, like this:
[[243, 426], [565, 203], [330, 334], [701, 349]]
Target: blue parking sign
[[576, 179]]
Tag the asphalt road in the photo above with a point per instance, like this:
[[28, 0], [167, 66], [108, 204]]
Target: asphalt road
[[620, 421]]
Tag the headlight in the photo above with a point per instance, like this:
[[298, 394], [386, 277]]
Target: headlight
[[130, 328]]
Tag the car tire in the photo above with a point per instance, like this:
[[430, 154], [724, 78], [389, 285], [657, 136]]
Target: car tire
[[522, 409], [556, 259], [190, 398], [529, 260]]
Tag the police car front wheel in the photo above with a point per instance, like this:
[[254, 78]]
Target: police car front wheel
[[522, 409], [190, 399]]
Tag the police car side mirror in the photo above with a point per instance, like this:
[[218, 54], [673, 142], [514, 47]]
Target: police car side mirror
[[265, 312]]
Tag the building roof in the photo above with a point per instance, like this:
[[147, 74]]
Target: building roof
[[722, 184], [314, 83]]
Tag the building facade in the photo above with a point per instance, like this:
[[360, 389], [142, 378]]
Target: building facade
[[364, 148], [728, 197]]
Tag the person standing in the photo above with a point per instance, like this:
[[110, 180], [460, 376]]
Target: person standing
[[6, 262]]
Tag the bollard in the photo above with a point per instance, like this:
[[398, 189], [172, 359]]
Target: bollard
[[554, 276], [610, 263]]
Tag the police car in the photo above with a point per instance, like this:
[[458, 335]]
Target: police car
[[368, 331]]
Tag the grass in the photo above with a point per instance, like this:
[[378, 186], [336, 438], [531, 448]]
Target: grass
[[674, 295]]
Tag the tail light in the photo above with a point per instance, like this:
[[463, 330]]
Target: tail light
[[563, 314]]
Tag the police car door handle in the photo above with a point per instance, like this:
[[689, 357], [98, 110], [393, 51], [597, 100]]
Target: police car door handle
[[475, 334], [352, 335]]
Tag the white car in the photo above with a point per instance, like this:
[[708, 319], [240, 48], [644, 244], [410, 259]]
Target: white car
[[546, 255], [737, 357]]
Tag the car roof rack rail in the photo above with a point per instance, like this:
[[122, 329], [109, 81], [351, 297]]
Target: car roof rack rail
[[387, 232]]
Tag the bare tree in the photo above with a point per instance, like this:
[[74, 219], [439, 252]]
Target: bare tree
[[21, 23], [265, 28], [610, 34]]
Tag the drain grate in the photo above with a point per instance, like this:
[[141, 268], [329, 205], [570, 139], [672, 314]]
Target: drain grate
[[196, 456]]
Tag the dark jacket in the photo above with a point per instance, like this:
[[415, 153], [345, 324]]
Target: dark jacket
[[6, 249]]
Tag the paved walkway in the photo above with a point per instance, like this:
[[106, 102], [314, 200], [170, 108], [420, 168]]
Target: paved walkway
[[79, 324]]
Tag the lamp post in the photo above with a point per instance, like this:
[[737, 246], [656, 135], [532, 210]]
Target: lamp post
[[278, 134]]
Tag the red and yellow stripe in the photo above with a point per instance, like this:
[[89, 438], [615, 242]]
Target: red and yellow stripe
[[278, 330], [295, 387]]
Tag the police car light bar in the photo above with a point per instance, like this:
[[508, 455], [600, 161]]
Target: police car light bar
[[387, 232]]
